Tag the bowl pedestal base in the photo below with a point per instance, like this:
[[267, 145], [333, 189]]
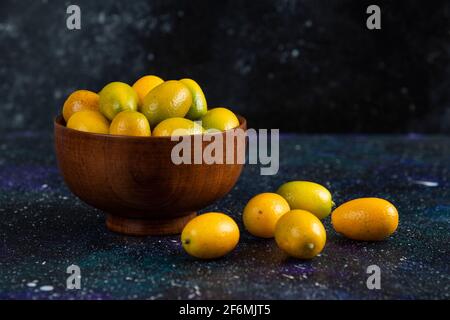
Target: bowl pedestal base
[[148, 227]]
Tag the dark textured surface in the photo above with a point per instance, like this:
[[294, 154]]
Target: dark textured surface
[[308, 66], [44, 229]]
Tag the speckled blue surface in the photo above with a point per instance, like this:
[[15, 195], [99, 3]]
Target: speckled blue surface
[[44, 229]]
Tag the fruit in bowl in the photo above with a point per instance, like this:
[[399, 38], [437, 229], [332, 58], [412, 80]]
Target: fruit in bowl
[[117, 158], [144, 85], [89, 121], [116, 97], [130, 123], [150, 105], [184, 126]]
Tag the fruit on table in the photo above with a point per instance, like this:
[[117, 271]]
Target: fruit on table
[[116, 97], [89, 121], [177, 127], [144, 85], [167, 100], [210, 235], [220, 118], [80, 100], [130, 123], [366, 219], [262, 212], [300, 234], [309, 196], [199, 106]]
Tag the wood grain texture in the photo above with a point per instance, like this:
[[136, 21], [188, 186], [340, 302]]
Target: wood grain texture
[[134, 180]]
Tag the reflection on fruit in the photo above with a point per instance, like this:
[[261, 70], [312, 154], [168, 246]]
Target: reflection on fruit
[[130, 123], [262, 212], [308, 196], [199, 106], [220, 118], [116, 97], [300, 234], [177, 127], [210, 235], [366, 219], [89, 121], [78, 101], [168, 100], [144, 85]]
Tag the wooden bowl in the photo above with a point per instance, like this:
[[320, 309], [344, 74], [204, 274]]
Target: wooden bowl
[[134, 180]]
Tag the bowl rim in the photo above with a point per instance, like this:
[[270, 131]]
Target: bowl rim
[[59, 122]]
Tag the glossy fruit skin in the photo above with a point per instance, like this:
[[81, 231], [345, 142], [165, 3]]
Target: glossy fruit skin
[[144, 85], [130, 123], [78, 101], [210, 235], [220, 118], [365, 219], [168, 100], [177, 127], [116, 97], [89, 121], [262, 212], [199, 106], [300, 234], [309, 196]]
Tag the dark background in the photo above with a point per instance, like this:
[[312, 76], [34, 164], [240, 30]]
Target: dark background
[[306, 66]]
